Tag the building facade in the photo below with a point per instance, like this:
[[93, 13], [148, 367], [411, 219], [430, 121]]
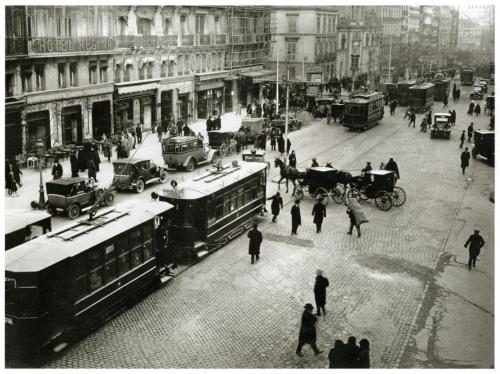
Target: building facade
[[77, 72]]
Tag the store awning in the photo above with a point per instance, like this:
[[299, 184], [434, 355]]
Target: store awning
[[137, 88], [212, 75], [259, 76], [209, 86]]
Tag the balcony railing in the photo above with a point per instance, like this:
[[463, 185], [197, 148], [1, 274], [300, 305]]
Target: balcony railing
[[204, 39], [151, 41], [187, 40], [16, 46], [220, 39]]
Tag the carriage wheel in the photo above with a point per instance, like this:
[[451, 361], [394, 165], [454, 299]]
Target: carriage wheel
[[223, 150], [338, 194], [362, 194], [353, 193], [323, 192], [383, 200], [398, 196]]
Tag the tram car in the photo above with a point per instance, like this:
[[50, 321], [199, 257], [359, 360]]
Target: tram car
[[363, 110], [60, 284], [403, 93], [441, 88], [22, 226], [213, 208], [391, 91], [421, 96], [467, 77]]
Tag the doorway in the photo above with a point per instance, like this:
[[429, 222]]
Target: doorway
[[101, 119], [72, 125]]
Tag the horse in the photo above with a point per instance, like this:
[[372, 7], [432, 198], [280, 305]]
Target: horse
[[287, 173]]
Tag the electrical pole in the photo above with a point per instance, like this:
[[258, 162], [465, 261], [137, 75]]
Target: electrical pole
[[277, 77], [286, 112], [390, 57]]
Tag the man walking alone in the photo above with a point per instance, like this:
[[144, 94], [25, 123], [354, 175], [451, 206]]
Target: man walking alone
[[476, 242], [320, 292], [255, 241]]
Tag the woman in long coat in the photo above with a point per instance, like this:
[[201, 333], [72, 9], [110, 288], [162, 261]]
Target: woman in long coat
[[307, 333], [276, 204], [477, 109], [281, 144], [471, 108], [319, 212], [74, 165], [320, 292], [92, 169]]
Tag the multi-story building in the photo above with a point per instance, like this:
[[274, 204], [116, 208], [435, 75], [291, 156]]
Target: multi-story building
[[304, 38], [76, 72], [469, 35]]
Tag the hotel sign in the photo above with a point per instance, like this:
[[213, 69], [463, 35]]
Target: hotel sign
[[81, 44]]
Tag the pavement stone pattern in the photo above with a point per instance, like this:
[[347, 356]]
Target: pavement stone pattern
[[226, 313]]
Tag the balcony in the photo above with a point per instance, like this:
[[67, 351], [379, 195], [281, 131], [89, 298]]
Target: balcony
[[150, 41], [220, 39], [203, 39], [187, 40], [16, 46]]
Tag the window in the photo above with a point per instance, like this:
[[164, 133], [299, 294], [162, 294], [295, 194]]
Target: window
[[61, 75], [292, 24], [166, 26], [123, 251], [118, 73], [291, 71], [128, 73], [95, 268], [217, 25], [164, 67], [136, 248], [9, 85], [73, 81], [343, 42], [200, 24], [183, 30], [189, 63], [80, 276], [30, 27], [180, 63], [171, 67], [93, 72], [147, 233], [144, 26], [325, 30], [110, 272], [39, 77], [103, 71], [203, 63], [219, 202], [67, 26], [149, 69], [198, 63], [291, 50], [355, 62], [58, 26], [318, 24]]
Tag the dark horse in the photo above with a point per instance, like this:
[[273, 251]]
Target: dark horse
[[286, 172]]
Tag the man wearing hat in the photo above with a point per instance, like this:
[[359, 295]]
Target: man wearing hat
[[314, 163], [296, 220], [276, 204], [476, 242], [255, 240], [307, 333], [319, 212], [320, 292]]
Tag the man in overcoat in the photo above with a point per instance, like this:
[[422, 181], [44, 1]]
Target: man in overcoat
[[476, 242], [320, 292], [464, 159], [255, 240], [292, 160], [319, 212], [296, 220], [276, 204], [307, 333], [281, 144]]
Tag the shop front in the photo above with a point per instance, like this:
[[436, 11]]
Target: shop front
[[14, 128], [210, 94], [251, 84], [38, 129], [71, 119], [135, 104]]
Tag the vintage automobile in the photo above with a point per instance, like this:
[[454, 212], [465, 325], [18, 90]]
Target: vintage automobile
[[278, 124], [484, 84], [441, 127], [484, 145], [252, 127], [73, 196], [255, 155], [135, 173], [477, 93], [467, 77], [187, 152]]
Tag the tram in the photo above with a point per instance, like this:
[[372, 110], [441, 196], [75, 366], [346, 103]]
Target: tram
[[402, 91], [363, 110], [467, 77], [441, 88], [22, 226], [421, 96], [60, 284], [213, 208]]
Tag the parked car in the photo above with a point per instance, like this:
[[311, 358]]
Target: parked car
[[441, 127], [484, 84], [187, 152], [484, 145], [135, 174], [72, 196], [477, 93]]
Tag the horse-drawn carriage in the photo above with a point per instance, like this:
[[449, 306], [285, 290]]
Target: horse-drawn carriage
[[252, 127], [380, 186], [223, 141]]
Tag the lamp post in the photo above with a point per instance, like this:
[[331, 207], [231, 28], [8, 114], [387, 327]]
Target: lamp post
[[40, 147], [286, 81]]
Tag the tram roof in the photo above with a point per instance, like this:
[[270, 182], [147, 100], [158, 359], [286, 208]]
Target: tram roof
[[16, 219], [76, 237], [422, 86], [213, 181], [364, 97], [180, 139]]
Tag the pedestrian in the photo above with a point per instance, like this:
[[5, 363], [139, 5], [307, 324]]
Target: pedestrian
[[314, 163], [352, 219], [307, 334], [445, 102], [292, 160], [393, 166], [319, 212], [255, 237], [464, 158], [210, 124], [8, 176], [462, 139], [281, 144], [296, 220], [186, 130], [470, 131], [476, 242], [74, 165], [453, 118], [337, 355], [95, 156], [477, 109], [238, 144], [365, 170], [412, 119], [138, 133], [276, 204], [263, 139], [107, 150], [180, 125], [16, 172], [249, 109], [423, 125], [352, 352], [288, 145], [273, 141], [159, 131], [364, 354], [57, 170], [12, 183], [382, 166], [217, 123], [320, 286], [92, 169], [471, 108], [429, 118]]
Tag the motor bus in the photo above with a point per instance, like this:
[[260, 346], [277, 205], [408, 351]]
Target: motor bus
[[22, 226], [441, 88], [467, 77], [421, 96], [363, 110], [59, 284], [213, 208]]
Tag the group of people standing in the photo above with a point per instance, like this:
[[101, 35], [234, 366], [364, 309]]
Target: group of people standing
[[12, 177]]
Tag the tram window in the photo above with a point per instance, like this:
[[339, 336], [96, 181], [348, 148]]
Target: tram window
[[95, 266], [241, 197], [123, 254], [136, 244], [148, 241], [234, 200], [184, 148], [110, 265], [227, 203], [219, 207], [210, 209], [80, 276]]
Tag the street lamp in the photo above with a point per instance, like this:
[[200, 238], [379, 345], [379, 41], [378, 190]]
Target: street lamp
[[40, 147], [287, 84]]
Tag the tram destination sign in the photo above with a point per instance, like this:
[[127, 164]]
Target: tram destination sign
[[80, 44], [173, 192]]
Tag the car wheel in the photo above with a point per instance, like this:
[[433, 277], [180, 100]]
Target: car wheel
[[109, 199], [190, 165], [74, 211], [98, 193], [163, 176], [139, 186]]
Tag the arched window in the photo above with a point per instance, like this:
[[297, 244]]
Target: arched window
[[144, 26], [123, 25], [164, 67], [171, 67]]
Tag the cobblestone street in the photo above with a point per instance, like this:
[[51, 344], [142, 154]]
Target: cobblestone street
[[402, 281]]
